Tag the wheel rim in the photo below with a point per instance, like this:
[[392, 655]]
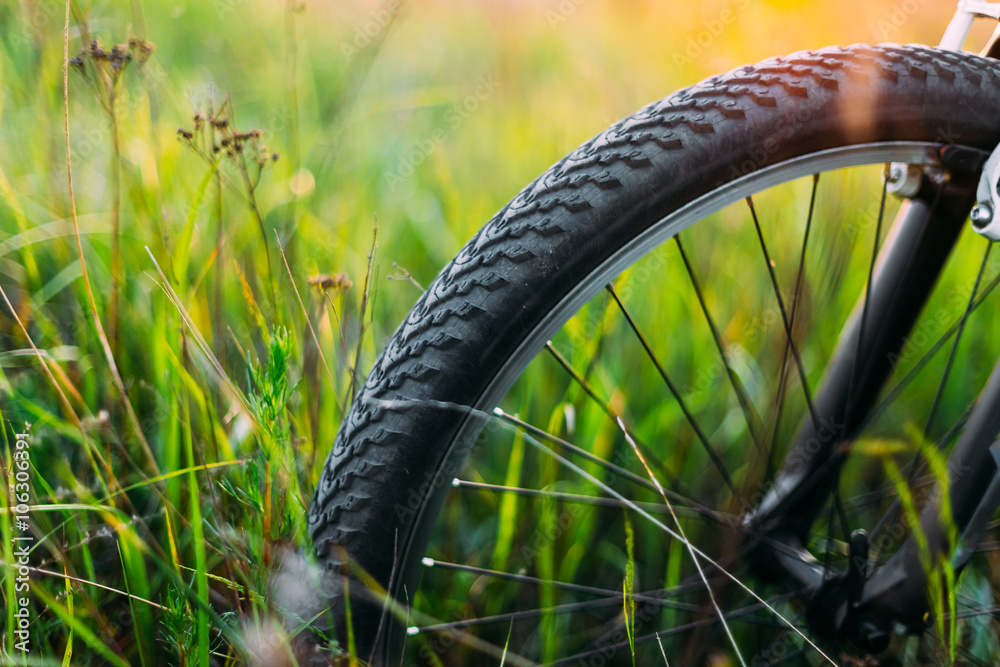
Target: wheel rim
[[707, 632]]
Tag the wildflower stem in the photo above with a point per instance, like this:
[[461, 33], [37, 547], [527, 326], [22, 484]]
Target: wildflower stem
[[116, 260]]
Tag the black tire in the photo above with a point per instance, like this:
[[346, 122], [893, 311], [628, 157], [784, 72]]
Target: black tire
[[400, 446]]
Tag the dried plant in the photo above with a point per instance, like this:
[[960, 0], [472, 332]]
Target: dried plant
[[215, 138], [104, 71]]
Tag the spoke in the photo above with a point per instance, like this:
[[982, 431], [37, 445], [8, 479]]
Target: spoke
[[828, 551], [974, 608], [752, 419], [576, 588], [923, 361], [784, 315], [959, 649], [796, 298], [958, 338], [776, 545], [701, 510], [687, 543], [668, 531], [852, 382], [851, 403], [888, 489], [673, 390], [613, 599], [972, 612], [794, 655], [880, 494], [918, 465], [662, 652], [743, 614], [841, 514], [470, 641], [605, 406], [582, 499], [581, 380], [517, 615], [915, 483], [602, 334]]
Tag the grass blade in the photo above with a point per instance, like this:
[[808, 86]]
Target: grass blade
[[183, 251]]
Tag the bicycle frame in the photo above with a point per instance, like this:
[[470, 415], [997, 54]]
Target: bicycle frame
[[858, 604], [958, 30]]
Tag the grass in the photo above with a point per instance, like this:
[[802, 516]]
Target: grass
[[184, 327]]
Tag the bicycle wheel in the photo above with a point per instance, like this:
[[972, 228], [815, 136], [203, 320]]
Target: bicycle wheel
[[681, 388]]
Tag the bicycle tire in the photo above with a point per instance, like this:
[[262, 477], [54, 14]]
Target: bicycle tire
[[398, 448]]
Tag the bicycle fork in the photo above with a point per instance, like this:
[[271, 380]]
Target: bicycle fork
[[857, 604]]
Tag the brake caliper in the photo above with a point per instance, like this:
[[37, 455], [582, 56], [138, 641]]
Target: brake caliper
[[904, 180]]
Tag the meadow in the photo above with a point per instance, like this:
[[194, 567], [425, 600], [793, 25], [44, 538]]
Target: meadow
[[208, 236]]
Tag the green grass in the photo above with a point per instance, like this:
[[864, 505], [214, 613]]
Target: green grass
[[180, 424]]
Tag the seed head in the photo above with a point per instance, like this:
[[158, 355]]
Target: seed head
[[325, 282]]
